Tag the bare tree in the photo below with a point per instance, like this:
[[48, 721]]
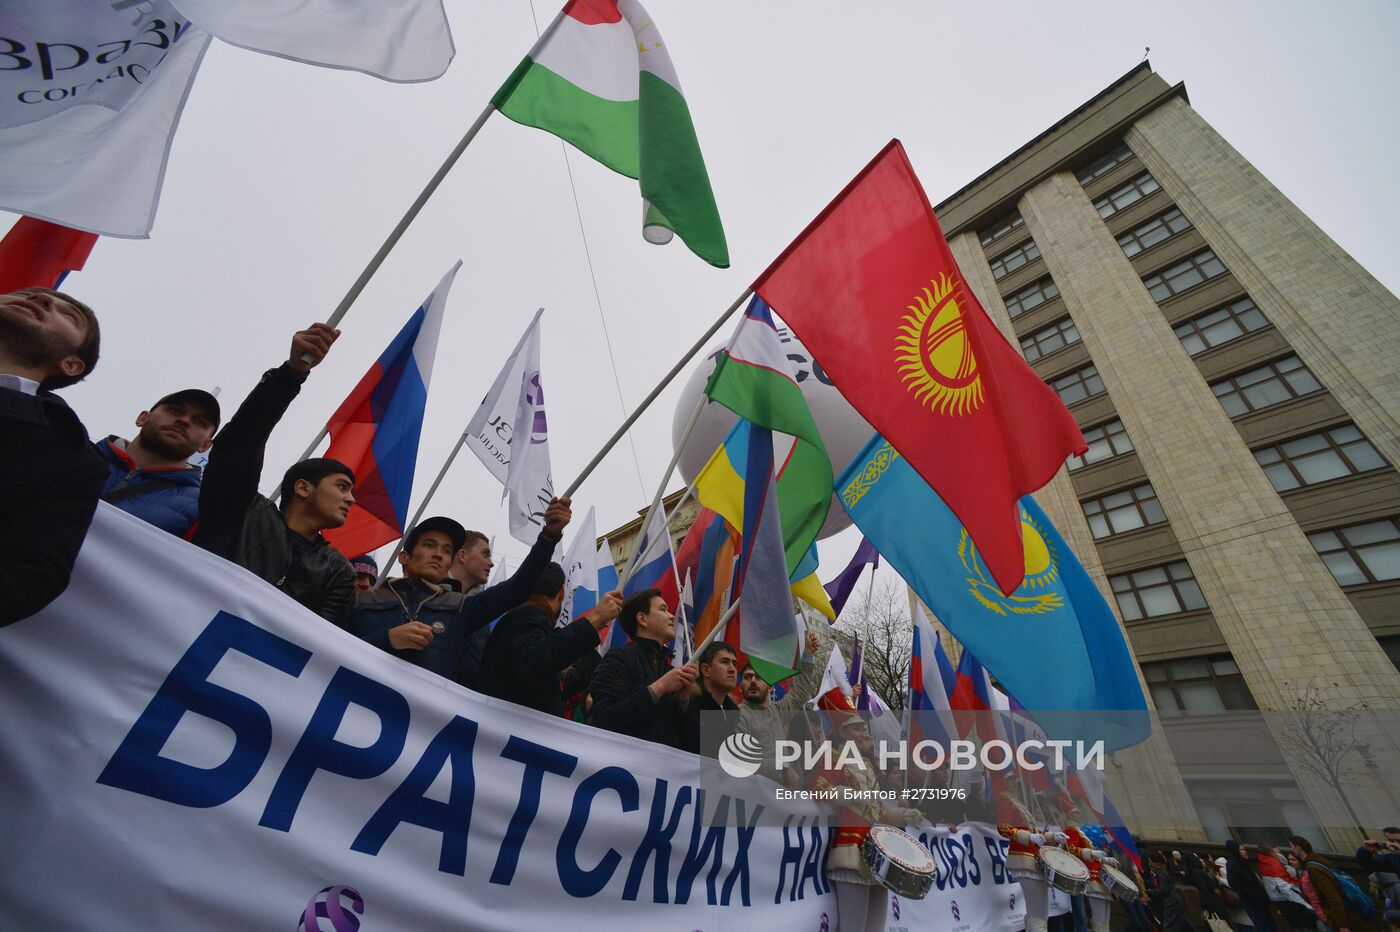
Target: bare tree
[[1320, 736], [881, 619]]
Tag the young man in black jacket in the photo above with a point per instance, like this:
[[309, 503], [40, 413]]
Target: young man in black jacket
[[635, 690], [282, 545], [526, 654], [714, 713], [50, 476]]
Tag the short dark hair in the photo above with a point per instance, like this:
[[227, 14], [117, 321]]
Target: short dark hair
[[713, 648], [313, 471], [471, 539], [1391, 829], [746, 667], [1301, 842], [87, 350], [550, 583], [635, 605]]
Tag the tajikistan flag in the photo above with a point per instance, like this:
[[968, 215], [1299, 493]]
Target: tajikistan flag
[[600, 78]]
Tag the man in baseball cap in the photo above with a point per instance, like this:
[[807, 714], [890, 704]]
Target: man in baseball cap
[[150, 476], [423, 622]]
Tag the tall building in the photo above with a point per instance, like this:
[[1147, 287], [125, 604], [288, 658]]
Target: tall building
[[1233, 371]]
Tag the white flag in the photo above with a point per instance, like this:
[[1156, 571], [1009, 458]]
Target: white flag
[[398, 40], [581, 569], [510, 436], [91, 91]]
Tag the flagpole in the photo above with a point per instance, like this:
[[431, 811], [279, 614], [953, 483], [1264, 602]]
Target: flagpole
[[646, 402], [384, 573]]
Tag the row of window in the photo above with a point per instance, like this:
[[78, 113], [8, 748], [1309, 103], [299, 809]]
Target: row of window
[[1104, 164], [1263, 387], [1157, 230], [1008, 262], [1049, 339], [1126, 195], [1123, 511], [1198, 684], [1032, 296], [1001, 228], [1361, 553], [1188, 273], [1219, 326]]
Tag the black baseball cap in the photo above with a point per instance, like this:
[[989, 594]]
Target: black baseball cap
[[193, 396], [454, 531]]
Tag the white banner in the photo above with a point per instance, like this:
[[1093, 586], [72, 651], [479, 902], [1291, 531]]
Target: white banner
[[972, 892], [185, 748], [510, 435]]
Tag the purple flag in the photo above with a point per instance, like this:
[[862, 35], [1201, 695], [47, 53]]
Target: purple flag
[[840, 588]]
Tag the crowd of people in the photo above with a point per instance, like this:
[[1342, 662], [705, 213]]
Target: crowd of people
[[437, 614]]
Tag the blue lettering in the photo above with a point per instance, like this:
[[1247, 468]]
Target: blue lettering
[[812, 870], [998, 858], [538, 761], [137, 765], [656, 843], [744, 829], [699, 854], [794, 846], [318, 749], [453, 745], [576, 881], [974, 870]]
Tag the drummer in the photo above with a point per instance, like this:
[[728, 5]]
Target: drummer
[[1021, 863], [861, 903]]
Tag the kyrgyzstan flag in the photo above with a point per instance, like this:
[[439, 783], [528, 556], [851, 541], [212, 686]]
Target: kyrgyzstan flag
[[375, 430], [871, 288]]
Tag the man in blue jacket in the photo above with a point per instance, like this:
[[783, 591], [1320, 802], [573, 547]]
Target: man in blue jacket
[[150, 476], [423, 622]]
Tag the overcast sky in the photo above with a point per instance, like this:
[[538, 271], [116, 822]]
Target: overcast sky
[[284, 179]]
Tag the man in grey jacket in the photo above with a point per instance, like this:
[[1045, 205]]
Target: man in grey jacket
[[766, 720]]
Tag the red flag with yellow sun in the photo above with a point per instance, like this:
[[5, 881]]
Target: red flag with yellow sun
[[871, 288]]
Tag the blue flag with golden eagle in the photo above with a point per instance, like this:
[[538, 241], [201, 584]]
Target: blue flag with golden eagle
[[1053, 644]]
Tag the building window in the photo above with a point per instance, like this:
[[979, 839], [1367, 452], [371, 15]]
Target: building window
[[1362, 553], [1104, 164], [1124, 511], [1157, 230], [1221, 325], [1126, 195], [1156, 591], [1328, 454], [1188, 273], [1047, 340], [1279, 381], [1076, 386], [1198, 684], [1007, 224], [1105, 442], [1391, 646], [1008, 262], [1031, 296]]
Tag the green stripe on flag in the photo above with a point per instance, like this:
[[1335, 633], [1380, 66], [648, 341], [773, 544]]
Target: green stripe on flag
[[673, 172], [606, 130]]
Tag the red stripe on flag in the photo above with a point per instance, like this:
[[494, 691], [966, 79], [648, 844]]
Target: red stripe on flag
[[36, 253], [593, 12]]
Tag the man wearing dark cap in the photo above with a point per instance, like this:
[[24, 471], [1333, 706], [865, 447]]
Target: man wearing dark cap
[[280, 543], [366, 571], [419, 620], [151, 476]]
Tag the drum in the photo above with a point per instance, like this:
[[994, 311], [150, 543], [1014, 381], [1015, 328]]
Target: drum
[[1118, 883], [898, 862], [1062, 870]]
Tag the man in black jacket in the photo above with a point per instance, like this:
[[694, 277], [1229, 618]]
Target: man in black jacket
[[282, 545], [635, 690], [714, 713], [50, 476], [423, 622], [1243, 878], [526, 654]]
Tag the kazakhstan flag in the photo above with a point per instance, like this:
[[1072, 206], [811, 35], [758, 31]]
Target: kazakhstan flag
[[1053, 644]]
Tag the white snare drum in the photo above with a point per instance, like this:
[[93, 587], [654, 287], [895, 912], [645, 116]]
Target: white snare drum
[[1062, 870], [1118, 883], [898, 861]]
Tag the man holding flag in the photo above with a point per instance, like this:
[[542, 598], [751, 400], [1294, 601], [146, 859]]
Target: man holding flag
[[282, 545]]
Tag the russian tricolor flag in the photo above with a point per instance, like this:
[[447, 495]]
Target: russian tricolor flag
[[375, 431], [931, 717], [655, 568]]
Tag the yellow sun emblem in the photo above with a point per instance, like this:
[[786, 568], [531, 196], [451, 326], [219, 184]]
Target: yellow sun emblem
[[1042, 569], [934, 354]]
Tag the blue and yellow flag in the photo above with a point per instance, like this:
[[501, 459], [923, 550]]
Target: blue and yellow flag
[[1053, 644]]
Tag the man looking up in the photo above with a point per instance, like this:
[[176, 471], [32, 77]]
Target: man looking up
[[280, 543], [50, 477], [635, 690], [423, 622], [150, 476], [526, 654], [714, 714]]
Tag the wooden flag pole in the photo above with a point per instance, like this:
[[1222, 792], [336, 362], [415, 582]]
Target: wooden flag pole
[[661, 386]]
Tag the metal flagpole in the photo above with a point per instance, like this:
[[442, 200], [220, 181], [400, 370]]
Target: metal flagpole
[[680, 444], [422, 506], [646, 402]]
